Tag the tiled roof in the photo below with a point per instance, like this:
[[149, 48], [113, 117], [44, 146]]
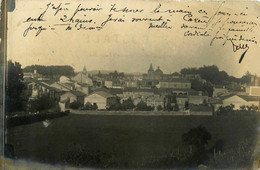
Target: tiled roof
[[103, 94], [244, 97], [132, 89], [77, 93], [176, 80], [250, 98]]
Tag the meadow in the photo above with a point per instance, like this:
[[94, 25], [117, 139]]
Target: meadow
[[114, 141]]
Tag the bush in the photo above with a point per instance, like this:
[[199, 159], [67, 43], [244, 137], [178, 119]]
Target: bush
[[115, 107], [95, 106], [78, 155], [27, 119], [75, 105], [176, 107], [128, 104], [41, 103], [159, 107], [225, 109], [142, 106], [88, 106]]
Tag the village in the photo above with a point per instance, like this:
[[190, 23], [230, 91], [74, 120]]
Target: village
[[152, 91]]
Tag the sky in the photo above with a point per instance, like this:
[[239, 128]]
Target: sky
[[127, 47]]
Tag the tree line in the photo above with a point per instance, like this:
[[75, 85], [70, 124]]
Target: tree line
[[213, 75], [51, 70]]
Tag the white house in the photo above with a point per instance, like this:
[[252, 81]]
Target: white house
[[101, 98], [239, 100], [253, 90]]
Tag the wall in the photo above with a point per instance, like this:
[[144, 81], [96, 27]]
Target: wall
[[68, 95], [99, 100]]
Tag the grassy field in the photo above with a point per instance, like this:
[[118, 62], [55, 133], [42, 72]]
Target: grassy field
[[131, 140]]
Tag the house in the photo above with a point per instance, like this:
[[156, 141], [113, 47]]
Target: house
[[216, 103], [253, 90], [181, 100], [83, 78], [64, 105], [102, 99], [219, 90], [132, 84], [64, 79], [175, 83], [155, 101], [30, 75], [84, 88], [198, 97], [239, 100], [176, 75], [73, 96], [137, 93], [255, 81], [60, 86], [109, 83]]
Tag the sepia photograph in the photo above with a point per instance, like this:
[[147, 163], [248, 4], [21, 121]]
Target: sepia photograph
[[120, 84]]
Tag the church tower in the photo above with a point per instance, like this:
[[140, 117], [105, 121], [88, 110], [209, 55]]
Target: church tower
[[84, 70], [150, 72]]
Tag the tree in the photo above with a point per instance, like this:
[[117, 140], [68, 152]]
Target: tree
[[116, 106], [128, 104], [159, 107], [75, 105], [95, 106], [51, 70], [186, 105], [246, 78], [205, 103], [176, 107], [41, 103], [88, 106], [14, 87], [142, 106], [197, 138]]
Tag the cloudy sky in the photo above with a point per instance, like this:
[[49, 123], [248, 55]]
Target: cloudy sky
[[126, 46]]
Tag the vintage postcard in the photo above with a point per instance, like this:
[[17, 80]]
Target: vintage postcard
[[130, 84]]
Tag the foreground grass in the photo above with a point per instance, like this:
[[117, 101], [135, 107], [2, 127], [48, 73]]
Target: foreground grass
[[124, 141]]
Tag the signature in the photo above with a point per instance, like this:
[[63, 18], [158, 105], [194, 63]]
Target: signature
[[240, 47], [38, 29]]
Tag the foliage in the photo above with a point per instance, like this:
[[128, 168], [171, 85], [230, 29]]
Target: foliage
[[225, 109], [246, 78], [169, 107], [186, 105], [88, 106], [199, 86], [95, 106], [14, 87], [213, 75], [75, 105], [28, 119], [142, 106], [159, 107], [237, 157], [176, 107], [79, 156], [41, 103], [115, 106], [51, 70], [197, 138], [128, 104]]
